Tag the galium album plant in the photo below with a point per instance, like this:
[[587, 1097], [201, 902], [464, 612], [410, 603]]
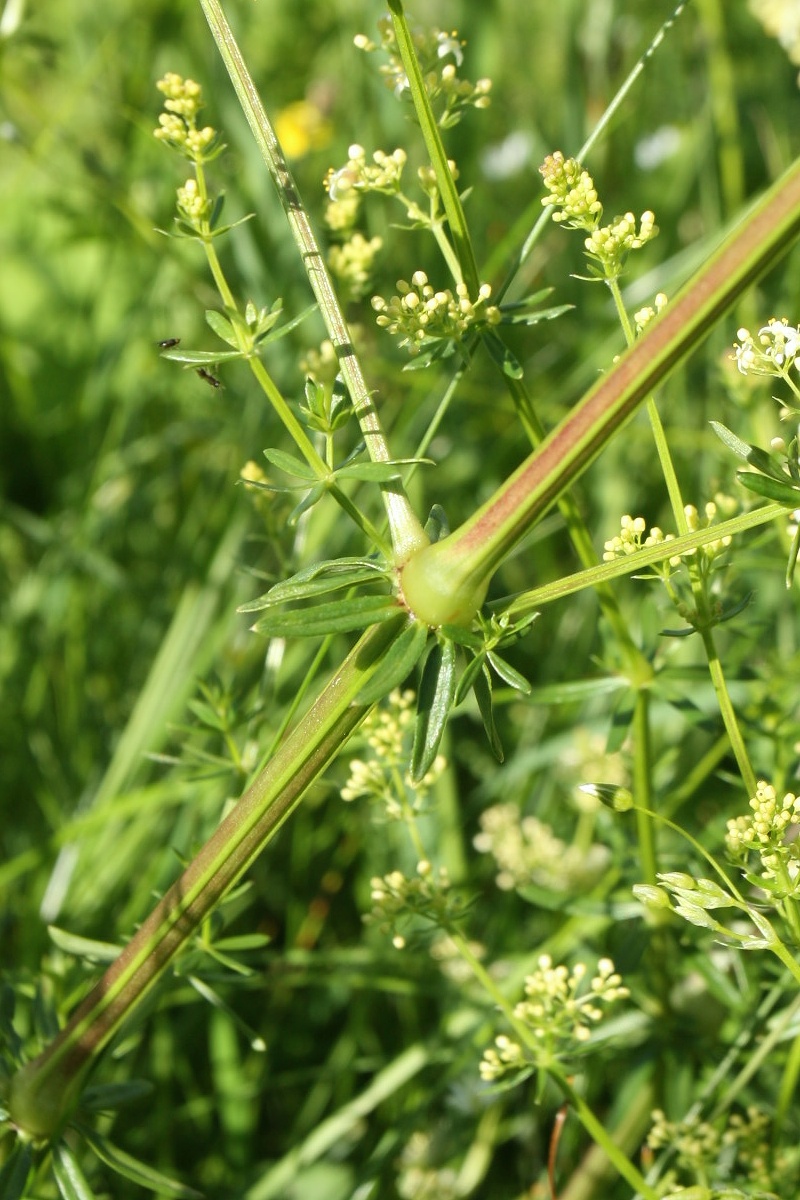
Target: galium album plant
[[576, 997]]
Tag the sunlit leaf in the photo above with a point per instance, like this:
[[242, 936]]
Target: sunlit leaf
[[134, 1170], [482, 688], [397, 663], [200, 358], [290, 463], [508, 674], [15, 1171], [81, 947], [340, 616], [265, 338], [222, 327], [330, 576], [434, 702], [501, 354], [784, 492], [71, 1181], [379, 472]]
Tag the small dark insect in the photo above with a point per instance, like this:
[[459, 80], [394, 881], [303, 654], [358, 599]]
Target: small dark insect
[[209, 378], [168, 343]]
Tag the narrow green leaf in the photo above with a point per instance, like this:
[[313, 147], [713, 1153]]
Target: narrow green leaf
[[468, 675], [462, 636], [621, 720], [340, 616], [501, 354], [762, 485], [508, 674], [794, 551], [107, 1097], [267, 337], [81, 947], [435, 699], [290, 464], [302, 589], [380, 472], [216, 211], [532, 317], [15, 1171], [768, 464], [72, 1183], [222, 327], [312, 497], [396, 664], [482, 688], [213, 998], [200, 358], [764, 462], [9, 1037], [134, 1170]]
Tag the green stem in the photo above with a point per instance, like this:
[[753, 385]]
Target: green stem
[[642, 771], [603, 1138], [639, 670], [568, 585], [728, 712], [453, 208], [407, 533], [447, 582], [43, 1091]]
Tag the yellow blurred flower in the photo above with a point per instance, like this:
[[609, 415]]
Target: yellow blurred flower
[[302, 127]]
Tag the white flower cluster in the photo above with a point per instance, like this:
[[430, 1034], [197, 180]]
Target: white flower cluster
[[574, 202], [771, 832], [386, 732], [527, 851], [702, 1153], [397, 898], [611, 244], [573, 196], [781, 20], [352, 263], [449, 94], [420, 315], [631, 538], [192, 205], [771, 351], [177, 126], [644, 316], [357, 175], [558, 1014]]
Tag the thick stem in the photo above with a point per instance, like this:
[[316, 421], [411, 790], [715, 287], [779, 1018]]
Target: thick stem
[[447, 581], [42, 1093]]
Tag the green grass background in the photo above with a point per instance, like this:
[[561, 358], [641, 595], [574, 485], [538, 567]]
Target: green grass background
[[125, 546]]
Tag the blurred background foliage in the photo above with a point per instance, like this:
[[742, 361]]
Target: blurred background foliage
[[125, 544]]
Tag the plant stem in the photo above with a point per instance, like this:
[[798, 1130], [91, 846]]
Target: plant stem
[[446, 582], [42, 1092], [407, 533], [436, 152], [728, 712]]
